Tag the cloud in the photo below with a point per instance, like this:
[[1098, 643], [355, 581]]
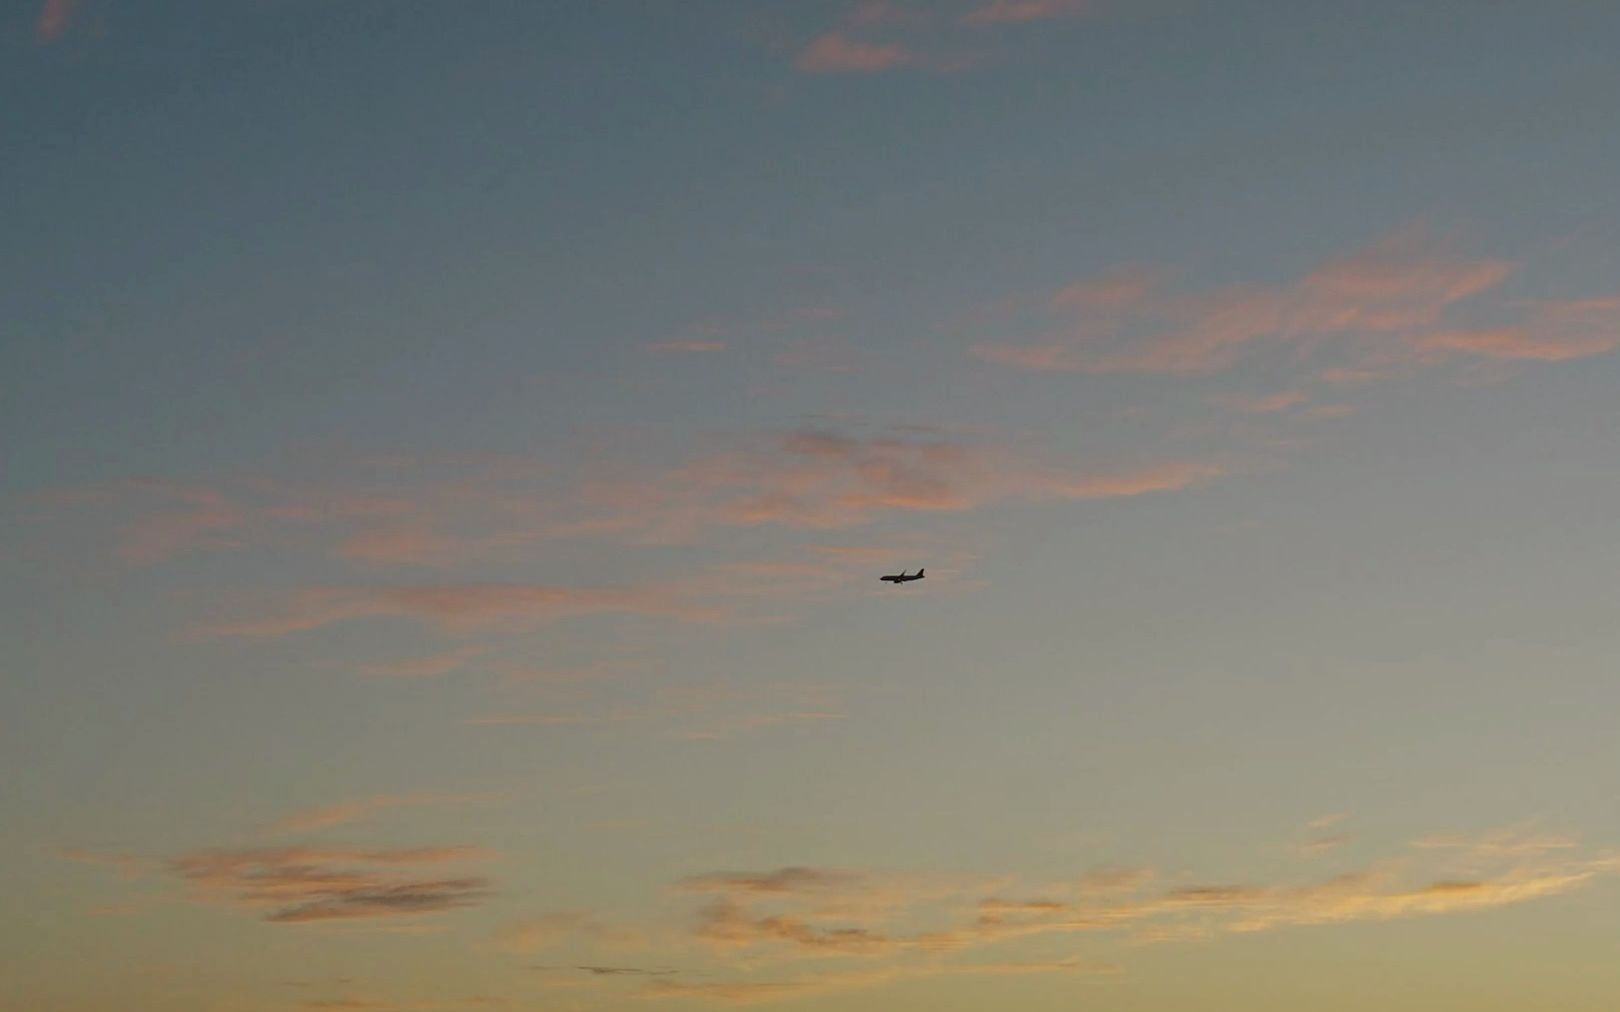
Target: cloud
[[345, 812], [688, 347], [1552, 332], [708, 711], [1323, 844], [873, 36], [463, 607], [1386, 306], [296, 885], [1513, 843], [783, 881], [1000, 12], [748, 992], [729, 923], [805, 479], [622, 971], [880, 13], [1270, 404], [782, 321], [562, 927], [428, 666], [834, 53], [55, 18], [169, 517], [802, 911], [820, 480]]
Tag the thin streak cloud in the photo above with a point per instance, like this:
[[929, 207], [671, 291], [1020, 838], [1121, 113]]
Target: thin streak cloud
[[1383, 306]]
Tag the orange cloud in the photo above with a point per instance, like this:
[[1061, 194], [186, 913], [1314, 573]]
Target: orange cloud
[[801, 910], [562, 926], [748, 992], [306, 884], [834, 53], [345, 812], [782, 882]]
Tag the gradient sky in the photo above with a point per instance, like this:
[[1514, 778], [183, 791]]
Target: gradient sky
[[450, 449]]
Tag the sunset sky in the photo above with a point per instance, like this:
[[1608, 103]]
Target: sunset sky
[[450, 449]]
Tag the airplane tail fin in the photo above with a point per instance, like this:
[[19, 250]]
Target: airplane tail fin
[[921, 572]]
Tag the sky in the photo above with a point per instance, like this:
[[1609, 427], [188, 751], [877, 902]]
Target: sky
[[450, 450]]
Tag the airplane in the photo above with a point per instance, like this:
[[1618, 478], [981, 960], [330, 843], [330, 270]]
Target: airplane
[[902, 578]]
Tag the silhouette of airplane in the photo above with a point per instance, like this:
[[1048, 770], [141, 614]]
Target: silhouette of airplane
[[902, 578]]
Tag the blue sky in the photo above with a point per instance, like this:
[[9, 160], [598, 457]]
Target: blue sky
[[451, 449]]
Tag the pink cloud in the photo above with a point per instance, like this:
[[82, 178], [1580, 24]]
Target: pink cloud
[[833, 53], [1551, 332], [1271, 404], [181, 517], [804, 480], [464, 607], [55, 18], [820, 480], [428, 666], [999, 12], [876, 13], [1130, 321]]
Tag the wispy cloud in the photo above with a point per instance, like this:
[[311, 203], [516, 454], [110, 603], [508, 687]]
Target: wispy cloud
[[464, 607], [295, 885], [750, 992], [701, 712], [834, 53], [805, 478], [879, 35], [54, 20], [566, 926], [1000, 12], [614, 971], [809, 912], [1270, 404], [825, 480], [688, 347], [1391, 306], [346, 812], [303, 884], [1550, 332], [426, 666], [158, 519]]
